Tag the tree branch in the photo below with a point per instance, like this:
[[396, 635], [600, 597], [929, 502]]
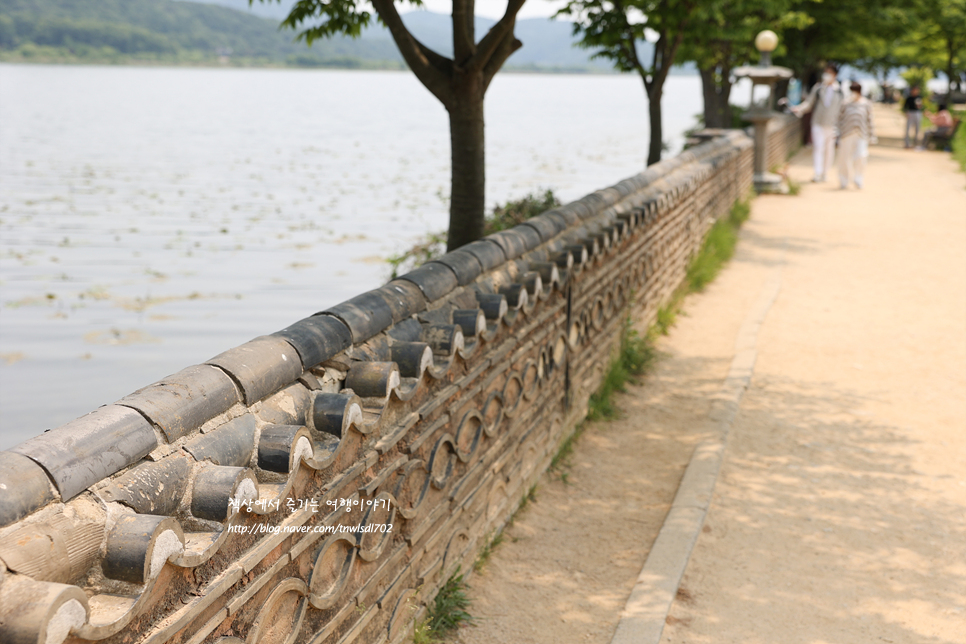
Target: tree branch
[[628, 44], [464, 44], [668, 57], [508, 45], [494, 38], [433, 70], [668, 53]]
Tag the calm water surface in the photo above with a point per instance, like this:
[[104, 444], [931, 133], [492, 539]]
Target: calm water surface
[[151, 218]]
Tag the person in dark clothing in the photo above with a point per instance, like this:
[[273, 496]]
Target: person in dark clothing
[[913, 109]]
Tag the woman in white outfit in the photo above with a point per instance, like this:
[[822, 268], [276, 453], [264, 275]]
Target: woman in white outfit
[[855, 131], [824, 102]]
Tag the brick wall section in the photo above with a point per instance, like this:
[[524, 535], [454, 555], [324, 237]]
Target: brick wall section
[[209, 507], [784, 139]]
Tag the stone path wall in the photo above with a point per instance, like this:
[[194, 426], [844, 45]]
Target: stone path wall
[[319, 484]]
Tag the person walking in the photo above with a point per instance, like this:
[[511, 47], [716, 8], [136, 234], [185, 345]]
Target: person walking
[[913, 109], [824, 102], [856, 130]]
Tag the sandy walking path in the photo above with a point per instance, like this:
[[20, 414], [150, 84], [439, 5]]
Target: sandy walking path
[[840, 511]]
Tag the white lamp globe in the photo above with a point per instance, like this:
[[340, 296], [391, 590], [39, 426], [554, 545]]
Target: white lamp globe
[[766, 41]]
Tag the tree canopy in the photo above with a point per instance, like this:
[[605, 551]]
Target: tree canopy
[[617, 27], [724, 39], [459, 83]]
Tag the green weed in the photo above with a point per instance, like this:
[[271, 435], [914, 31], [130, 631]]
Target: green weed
[[531, 495], [449, 608], [446, 614], [514, 213], [717, 249], [667, 315], [562, 458], [635, 356], [959, 142], [423, 635], [508, 215], [431, 247], [487, 551]]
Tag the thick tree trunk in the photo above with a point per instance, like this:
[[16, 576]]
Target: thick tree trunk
[[712, 114], [657, 131], [468, 198], [717, 112], [460, 85], [949, 73], [781, 91]]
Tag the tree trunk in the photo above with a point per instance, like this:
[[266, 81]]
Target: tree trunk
[[717, 111], [781, 91], [949, 73], [654, 113], [712, 113], [468, 198]]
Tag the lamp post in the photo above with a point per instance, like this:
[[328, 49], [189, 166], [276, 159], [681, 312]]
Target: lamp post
[[766, 42], [763, 74]]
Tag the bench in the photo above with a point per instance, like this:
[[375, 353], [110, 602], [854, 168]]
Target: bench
[[934, 141]]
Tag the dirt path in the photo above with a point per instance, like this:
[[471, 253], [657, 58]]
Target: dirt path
[[840, 512], [571, 557]]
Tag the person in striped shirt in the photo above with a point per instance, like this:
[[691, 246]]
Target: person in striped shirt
[[856, 129]]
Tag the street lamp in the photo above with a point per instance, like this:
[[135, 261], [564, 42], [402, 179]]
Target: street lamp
[[763, 74], [766, 42]]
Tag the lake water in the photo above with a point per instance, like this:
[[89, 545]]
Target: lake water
[[151, 218]]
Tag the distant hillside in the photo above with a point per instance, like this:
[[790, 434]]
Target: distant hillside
[[229, 32], [163, 31], [547, 44]]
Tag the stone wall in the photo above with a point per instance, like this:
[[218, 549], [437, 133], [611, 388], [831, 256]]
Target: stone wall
[[319, 484], [784, 139]]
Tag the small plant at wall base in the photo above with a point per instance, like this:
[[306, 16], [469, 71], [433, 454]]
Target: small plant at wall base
[[433, 246], [717, 249], [958, 143], [635, 356], [504, 216], [794, 188], [484, 557], [422, 634], [561, 459], [447, 612], [513, 213], [449, 608], [666, 317]]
